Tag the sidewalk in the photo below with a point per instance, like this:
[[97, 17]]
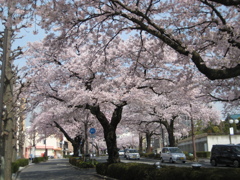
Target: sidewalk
[[15, 175], [57, 169]]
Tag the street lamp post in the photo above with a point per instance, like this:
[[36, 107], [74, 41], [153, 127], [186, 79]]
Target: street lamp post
[[231, 129]]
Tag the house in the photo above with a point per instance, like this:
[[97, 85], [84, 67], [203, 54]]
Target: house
[[54, 147]]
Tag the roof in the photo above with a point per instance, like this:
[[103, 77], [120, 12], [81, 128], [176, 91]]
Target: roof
[[233, 116]]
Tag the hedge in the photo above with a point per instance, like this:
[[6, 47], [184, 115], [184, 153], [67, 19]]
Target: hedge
[[203, 154], [132, 171], [150, 155], [19, 163], [81, 163], [39, 159]]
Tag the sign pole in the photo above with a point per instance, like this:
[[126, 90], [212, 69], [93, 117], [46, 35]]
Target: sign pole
[[92, 132]]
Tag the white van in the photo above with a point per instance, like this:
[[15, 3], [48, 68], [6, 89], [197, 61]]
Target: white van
[[172, 154]]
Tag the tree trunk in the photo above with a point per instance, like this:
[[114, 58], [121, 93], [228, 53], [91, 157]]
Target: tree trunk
[[148, 139], [97, 150], [111, 141], [86, 137], [82, 145], [75, 142], [193, 141], [75, 149], [140, 143], [170, 130], [109, 129], [171, 138]]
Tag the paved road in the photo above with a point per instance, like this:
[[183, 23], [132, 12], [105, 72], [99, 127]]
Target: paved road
[[56, 169]]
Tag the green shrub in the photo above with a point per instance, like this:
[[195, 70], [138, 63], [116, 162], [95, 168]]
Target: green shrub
[[184, 173], [102, 168], [137, 171], [67, 156], [23, 162], [203, 154], [150, 155], [129, 171], [83, 164], [19, 163], [15, 167], [73, 160], [188, 155], [117, 170], [39, 159], [157, 156], [79, 162]]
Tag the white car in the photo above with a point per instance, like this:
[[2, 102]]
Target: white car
[[172, 154], [121, 152], [132, 154]]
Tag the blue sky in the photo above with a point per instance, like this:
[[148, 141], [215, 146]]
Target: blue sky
[[27, 36]]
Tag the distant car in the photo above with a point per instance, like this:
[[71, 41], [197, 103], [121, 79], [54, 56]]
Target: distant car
[[172, 154], [225, 154], [132, 154], [121, 152]]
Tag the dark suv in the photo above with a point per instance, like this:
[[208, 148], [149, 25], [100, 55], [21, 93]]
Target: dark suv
[[225, 154]]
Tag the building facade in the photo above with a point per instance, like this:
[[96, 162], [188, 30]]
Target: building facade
[[52, 146]]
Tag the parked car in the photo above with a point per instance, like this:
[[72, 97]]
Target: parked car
[[172, 154], [132, 154], [121, 152], [225, 154]]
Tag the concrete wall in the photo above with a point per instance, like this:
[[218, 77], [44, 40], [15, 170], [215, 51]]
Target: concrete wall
[[222, 139], [204, 142]]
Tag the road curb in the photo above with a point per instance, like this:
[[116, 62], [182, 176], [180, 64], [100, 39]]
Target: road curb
[[15, 175]]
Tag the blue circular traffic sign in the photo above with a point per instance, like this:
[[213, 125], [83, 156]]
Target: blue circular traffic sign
[[92, 130]]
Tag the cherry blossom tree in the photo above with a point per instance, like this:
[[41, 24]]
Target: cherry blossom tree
[[204, 31], [127, 136], [104, 81], [74, 125], [89, 65], [170, 106], [90, 88]]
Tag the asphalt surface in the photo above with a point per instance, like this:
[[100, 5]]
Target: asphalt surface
[[60, 169], [56, 169]]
